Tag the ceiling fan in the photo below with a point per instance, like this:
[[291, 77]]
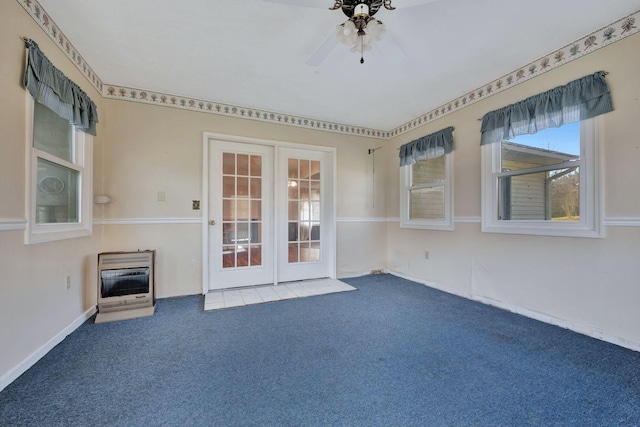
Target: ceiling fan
[[361, 30]]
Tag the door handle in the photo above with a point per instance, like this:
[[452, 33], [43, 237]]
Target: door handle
[[212, 222]]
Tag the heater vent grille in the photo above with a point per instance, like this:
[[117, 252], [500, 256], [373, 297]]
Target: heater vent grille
[[126, 280]]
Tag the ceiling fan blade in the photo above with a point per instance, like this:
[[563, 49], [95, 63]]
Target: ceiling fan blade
[[320, 4], [323, 51], [411, 3], [326, 4], [391, 49]]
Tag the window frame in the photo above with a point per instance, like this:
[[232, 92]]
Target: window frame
[[445, 224], [590, 223], [82, 163]]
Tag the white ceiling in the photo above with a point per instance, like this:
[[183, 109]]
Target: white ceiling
[[253, 53]]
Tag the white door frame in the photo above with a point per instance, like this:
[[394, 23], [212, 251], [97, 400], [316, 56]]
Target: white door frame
[[212, 136]]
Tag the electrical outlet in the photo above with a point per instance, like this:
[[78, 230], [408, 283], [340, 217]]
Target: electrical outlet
[[161, 196], [195, 204], [68, 283], [426, 254]]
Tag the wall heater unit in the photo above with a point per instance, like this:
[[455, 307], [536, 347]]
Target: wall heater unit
[[126, 285]]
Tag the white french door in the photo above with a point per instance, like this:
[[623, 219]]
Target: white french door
[[304, 214], [270, 214], [240, 215]]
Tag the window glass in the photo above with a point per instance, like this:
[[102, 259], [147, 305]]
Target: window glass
[[532, 186], [427, 194], [51, 133], [427, 203], [544, 184], [57, 194], [59, 177], [428, 171]]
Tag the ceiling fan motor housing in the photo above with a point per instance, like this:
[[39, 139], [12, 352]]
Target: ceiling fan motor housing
[[363, 8]]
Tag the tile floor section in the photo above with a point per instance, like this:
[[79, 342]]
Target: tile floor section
[[228, 298]]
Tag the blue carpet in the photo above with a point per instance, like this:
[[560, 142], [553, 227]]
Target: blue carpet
[[392, 353]]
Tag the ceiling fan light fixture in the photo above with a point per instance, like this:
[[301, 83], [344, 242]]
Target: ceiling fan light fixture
[[361, 11], [361, 30]]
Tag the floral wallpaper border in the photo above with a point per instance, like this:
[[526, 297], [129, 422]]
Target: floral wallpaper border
[[598, 39], [48, 26], [204, 106]]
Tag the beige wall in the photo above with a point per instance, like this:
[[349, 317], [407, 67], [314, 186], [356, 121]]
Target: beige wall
[[34, 303], [142, 149], [154, 149], [589, 283]]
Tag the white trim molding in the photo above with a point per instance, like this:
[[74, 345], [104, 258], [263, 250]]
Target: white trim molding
[[145, 221], [565, 324], [366, 219], [39, 353], [622, 222], [11, 224]]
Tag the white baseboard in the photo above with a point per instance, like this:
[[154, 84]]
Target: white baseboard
[[31, 360], [565, 324], [429, 284]]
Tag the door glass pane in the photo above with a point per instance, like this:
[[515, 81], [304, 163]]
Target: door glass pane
[[314, 252], [242, 257], [228, 232], [314, 190], [304, 211], [293, 253], [293, 231], [304, 190], [304, 169], [293, 168], [228, 210], [255, 257], [243, 187], [255, 232], [304, 252], [293, 211], [256, 188], [315, 169], [228, 186], [292, 186], [256, 166], [228, 163], [57, 199], [243, 164], [242, 210], [228, 256], [256, 210]]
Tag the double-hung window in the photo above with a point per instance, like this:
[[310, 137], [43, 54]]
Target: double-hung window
[[60, 188], [426, 182], [60, 121], [541, 163]]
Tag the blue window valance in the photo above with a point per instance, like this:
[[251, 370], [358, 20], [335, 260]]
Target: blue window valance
[[580, 99], [51, 87], [427, 147]]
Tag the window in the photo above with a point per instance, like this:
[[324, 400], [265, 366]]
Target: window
[[59, 199], [546, 183], [426, 194]]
